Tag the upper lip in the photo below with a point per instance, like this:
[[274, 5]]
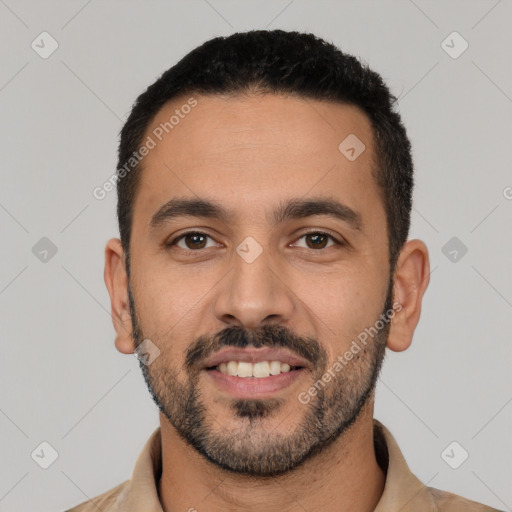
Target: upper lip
[[254, 355]]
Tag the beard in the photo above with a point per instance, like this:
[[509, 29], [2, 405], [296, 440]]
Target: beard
[[252, 449]]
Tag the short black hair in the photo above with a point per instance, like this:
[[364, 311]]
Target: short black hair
[[278, 62]]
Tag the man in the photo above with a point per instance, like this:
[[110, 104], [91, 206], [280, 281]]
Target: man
[[264, 197]]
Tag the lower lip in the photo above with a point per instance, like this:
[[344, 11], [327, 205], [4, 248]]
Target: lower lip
[[251, 387]]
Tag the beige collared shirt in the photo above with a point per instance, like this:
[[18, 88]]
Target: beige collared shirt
[[403, 492]]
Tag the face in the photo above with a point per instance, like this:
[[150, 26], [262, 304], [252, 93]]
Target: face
[[256, 285]]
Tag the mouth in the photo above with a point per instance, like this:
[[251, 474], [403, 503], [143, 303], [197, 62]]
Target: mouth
[[259, 370], [254, 373]]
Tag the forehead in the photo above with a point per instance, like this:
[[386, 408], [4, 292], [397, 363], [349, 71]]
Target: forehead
[[249, 151]]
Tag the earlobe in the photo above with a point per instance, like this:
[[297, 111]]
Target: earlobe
[[411, 279], [116, 280]]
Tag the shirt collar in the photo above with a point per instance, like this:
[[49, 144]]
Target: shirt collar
[[403, 491]]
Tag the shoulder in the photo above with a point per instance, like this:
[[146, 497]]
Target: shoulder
[[108, 501], [448, 502]]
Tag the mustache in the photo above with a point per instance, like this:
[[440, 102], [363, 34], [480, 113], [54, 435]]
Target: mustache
[[272, 336]]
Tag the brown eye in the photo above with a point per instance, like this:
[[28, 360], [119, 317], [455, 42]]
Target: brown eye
[[319, 240], [192, 241], [197, 241]]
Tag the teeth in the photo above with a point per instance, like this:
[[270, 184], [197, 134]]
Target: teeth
[[275, 368], [257, 370], [261, 369], [244, 369], [285, 367], [232, 368]]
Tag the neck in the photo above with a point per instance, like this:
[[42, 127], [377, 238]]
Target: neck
[[344, 477]]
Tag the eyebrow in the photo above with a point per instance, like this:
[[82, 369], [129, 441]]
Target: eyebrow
[[296, 208]]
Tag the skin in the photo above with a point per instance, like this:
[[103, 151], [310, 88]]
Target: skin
[[251, 153]]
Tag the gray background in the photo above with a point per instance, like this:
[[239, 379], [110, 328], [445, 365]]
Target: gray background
[[62, 380]]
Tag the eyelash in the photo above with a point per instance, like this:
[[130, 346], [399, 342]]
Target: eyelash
[[173, 242]]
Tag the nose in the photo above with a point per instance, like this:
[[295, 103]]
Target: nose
[[254, 293]]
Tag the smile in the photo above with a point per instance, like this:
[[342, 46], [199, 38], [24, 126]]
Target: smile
[[258, 370]]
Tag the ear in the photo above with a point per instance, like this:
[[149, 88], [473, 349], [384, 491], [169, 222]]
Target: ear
[[116, 280], [411, 278]]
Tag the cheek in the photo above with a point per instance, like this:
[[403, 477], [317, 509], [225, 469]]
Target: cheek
[[165, 315], [343, 306], [166, 296]]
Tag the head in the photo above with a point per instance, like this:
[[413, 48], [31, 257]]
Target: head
[[264, 198]]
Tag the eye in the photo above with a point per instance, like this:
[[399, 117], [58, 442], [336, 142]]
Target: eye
[[193, 240], [317, 240]]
